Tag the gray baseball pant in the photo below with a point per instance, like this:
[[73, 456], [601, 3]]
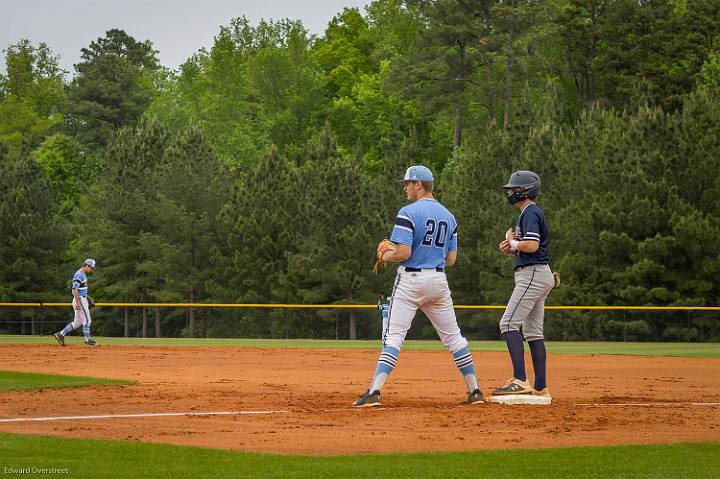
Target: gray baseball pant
[[526, 308]]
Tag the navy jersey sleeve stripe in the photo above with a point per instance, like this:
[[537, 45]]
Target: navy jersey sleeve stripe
[[405, 223]]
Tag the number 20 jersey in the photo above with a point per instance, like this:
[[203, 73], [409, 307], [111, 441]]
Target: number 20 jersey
[[429, 229]]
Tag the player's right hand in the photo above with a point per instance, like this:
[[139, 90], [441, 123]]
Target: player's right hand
[[505, 247]]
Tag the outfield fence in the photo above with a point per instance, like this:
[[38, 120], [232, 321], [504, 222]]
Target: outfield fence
[[357, 321]]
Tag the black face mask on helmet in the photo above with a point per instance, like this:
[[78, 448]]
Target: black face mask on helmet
[[518, 196]]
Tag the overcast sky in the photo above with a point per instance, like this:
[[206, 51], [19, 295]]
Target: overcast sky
[[177, 28]]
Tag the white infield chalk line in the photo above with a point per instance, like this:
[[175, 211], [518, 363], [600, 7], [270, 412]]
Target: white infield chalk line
[[264, 412], [150, 414]]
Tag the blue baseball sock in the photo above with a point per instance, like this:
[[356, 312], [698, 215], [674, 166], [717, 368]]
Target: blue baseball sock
[[516, 349], [86, 331], [67, 329], [386, 364], [539, 359], [464, 362]]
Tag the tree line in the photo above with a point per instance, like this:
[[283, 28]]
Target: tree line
[[262, 169]]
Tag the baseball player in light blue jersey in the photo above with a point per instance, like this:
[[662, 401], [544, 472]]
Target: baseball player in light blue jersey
[[80, 305], [425, 243]]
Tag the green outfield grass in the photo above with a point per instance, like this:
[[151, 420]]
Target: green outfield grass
[[692, 350], [17, 381], [101, 458]]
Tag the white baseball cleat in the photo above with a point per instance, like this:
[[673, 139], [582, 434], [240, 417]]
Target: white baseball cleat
[[514, 386]]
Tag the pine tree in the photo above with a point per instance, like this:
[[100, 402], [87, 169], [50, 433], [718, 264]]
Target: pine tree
[[189, 188], [32, 239], [341, 219], [112, 89], [446, 55], [119, 213]]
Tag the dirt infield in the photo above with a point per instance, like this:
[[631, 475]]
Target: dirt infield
[[599, 400]]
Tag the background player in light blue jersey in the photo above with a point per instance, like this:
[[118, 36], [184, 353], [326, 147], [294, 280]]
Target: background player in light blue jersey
[[425, 243], [80, 305]]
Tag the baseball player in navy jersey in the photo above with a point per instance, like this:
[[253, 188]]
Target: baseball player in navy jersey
[[80, 305], [425, 243], [528, 243]]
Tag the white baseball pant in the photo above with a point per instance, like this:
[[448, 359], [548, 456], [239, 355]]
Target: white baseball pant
[[82, 316], [428, 291]]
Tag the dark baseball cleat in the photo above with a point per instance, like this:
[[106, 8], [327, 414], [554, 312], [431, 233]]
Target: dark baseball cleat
[[91, 343], [476, 397], [368, 399], [514, 386], [59, 339]]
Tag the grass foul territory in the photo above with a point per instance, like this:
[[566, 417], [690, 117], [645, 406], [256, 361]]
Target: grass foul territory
[[110, 459], [18, 381], [692, 350]]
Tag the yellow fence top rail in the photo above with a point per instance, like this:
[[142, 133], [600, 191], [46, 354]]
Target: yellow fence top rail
[[355, 306]]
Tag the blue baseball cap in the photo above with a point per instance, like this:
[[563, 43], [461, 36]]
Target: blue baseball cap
[[90, 262], [418, 173]]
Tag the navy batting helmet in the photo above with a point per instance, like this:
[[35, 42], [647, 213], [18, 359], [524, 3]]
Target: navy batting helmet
[[528, 184]]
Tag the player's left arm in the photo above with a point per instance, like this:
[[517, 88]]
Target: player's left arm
[[401, 237], [398, 255]]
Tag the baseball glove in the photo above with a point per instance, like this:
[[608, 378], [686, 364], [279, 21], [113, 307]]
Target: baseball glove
[[383, 247], [91, 302]]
